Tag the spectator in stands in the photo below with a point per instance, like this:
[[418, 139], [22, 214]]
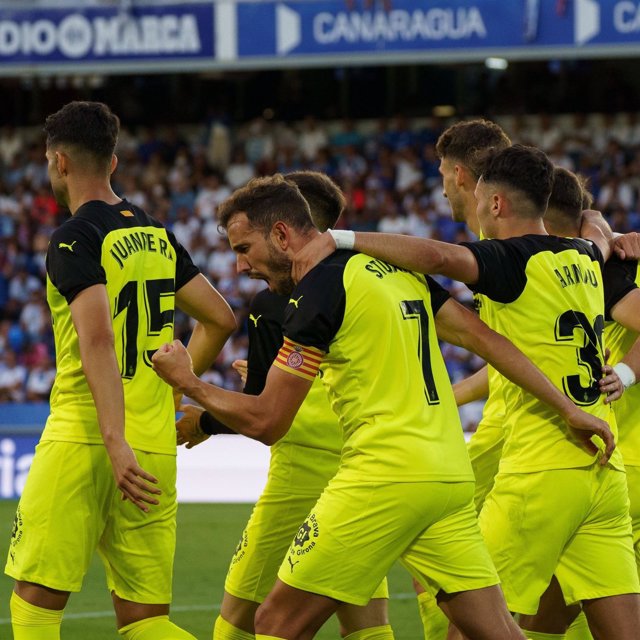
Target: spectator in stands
[[240, 170], [40, 381], [12, 378]]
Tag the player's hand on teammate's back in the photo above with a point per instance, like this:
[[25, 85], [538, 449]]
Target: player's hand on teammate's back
[[627, 246], [188, 431], [241, 368], [610, 384], [583, 426], [311, 254], [134, 482], [172, 363]]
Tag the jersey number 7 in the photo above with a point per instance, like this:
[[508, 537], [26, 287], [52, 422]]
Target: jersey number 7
[[415, 310]]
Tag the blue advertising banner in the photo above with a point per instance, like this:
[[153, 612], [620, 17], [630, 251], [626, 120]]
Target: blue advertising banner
[[317, 28], [16, 454], [179, 31], [165, 35]]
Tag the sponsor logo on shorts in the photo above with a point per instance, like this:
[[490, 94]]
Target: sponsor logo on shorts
[[305, 540], [16, 534], [241, 549]]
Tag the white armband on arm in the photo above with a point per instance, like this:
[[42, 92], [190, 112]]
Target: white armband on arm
[[344, 239], [626, 374]]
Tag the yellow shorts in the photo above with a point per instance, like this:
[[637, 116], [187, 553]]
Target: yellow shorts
[[70, 507], [356, 531], [485, 449], [573, 523], [294, 485], [633, 484], [301, 470]]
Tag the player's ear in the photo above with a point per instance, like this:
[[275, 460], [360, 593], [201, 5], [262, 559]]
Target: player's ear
[[497, 204], [280, 234], [62, 162], [461, 174], [114, 164]]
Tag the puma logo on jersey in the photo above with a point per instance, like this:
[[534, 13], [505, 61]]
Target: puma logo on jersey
[[254, 319], [293, 564], [64, 245], [295, 302]]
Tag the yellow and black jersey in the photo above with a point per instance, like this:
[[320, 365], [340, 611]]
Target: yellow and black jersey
[[141, 265], [494, 407], [368, 326], [549, 302], [620, 278], [315, 425]]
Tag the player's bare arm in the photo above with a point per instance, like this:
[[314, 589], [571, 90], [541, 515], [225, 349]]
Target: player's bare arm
[[474, 387], [92, 320], [215, 321], [625, 313], [266, 417], [459, 326], [627, 245], [595, 228], [415, 254]]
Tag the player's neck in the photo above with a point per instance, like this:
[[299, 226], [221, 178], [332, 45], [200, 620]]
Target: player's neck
[[558, 227], [297, 241], [515, 227], [87, 189]]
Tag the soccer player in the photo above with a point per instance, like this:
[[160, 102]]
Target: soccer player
[[103, 476], [301, 465], [568, 199], [404, 487], [553, 510], [462, 148]]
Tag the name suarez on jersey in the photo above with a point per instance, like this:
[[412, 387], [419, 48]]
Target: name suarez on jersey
[[139, 241], [381, 268], [575, 274]]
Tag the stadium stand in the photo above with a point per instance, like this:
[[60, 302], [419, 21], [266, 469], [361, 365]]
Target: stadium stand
[[387, 169]]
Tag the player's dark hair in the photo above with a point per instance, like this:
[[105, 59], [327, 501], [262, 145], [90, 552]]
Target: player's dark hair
[[569, 196], [325, 199], [89, 128], [526, 169], [467, 142], [266, 201]]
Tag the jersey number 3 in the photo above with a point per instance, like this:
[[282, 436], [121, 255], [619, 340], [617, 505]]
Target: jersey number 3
[[588, 355]]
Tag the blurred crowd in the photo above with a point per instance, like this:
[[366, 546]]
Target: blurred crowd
[[388, 170]]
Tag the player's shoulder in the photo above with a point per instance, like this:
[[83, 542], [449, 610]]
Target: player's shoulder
[[326, 274], [616, 266], [530, 245], [108, 217], [74, 231]]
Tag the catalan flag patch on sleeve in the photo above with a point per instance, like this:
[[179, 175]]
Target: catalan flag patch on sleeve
[[301, 361]]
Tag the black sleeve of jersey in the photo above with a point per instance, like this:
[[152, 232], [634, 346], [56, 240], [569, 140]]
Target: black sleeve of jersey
[[315, 310], [185, 269], [266, 316], [501, 268], [212, 426], [595, 249], [439, 295], [619, 278], [73, 258]]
